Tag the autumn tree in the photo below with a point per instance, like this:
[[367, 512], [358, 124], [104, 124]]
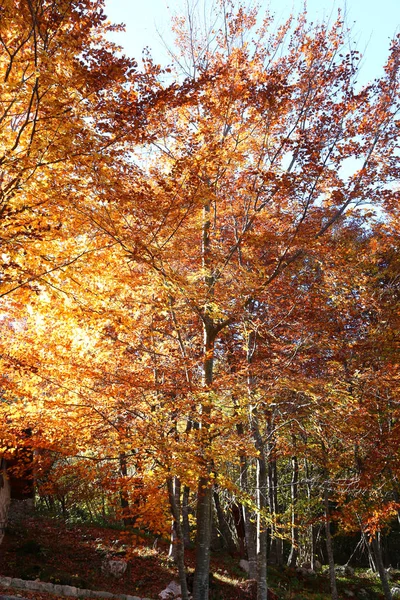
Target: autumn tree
[[61, 84], [244, 189], [173, 340]]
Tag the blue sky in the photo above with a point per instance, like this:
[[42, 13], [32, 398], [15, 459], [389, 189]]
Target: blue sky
[[373, 22]]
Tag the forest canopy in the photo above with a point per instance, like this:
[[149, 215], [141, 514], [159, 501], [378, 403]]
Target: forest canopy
[[200, 277]]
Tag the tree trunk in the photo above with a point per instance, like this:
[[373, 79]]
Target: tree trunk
[[261, 502], [292, 560], [203, 538], [172, 553], [124, 499], [217, 542], [63, 502], [245, 516], [5, 498], [312, 533], [238, 519], [262, 589], [376, 546], [272, 504], [225, 530], [396, 494], [173, 485], [261, 481], [329, 547], [185, 516], [205, 488], [371, 559], [278, 541], [249, 522]]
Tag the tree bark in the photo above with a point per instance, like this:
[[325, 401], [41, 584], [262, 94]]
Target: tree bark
[[173, 485], [246, 517], [124, 499], [238, 520], [261, 501], [217, 541], [5, 498], [203, 538], [262, 589], [376, 546], [205, 487], [272, 504], [329, 547], [311, 527], [292, 560], [396, 494], [278, 541], [249, 521], [261, 478], [185, 516]]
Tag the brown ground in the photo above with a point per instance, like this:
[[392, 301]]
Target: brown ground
[[48, 550]]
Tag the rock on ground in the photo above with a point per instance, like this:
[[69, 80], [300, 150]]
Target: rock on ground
[[171, 592], [116, 568]]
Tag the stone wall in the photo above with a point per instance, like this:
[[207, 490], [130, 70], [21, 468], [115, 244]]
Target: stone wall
[[62, 590]]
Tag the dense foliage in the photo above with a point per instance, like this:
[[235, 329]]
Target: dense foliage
[[200, 280]]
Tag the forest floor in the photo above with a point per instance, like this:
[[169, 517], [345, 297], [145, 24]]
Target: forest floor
[[48, 550]]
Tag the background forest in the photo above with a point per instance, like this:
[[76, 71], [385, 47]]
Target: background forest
[[200, 280]]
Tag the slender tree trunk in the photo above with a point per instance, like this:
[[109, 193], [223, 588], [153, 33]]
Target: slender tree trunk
[[173, 541], [251, 533], [225, 530], [396, 494], [124, 499], [292, 560], [272, 503], [262, 589], [311, 527], [329, 547], [371, 558], [238, 520], [376, 546], [354, 551], [173, 485], [217, 542], [5, 498], [249, 522], [261, 501], [278, 539], [185, 516], [205, 487], [63, 507], [246, 515], [261, 481], [174, 538], [314, 536]]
